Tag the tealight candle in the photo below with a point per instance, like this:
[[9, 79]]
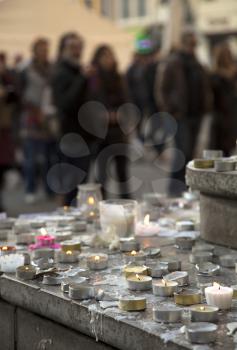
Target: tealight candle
[[147, 228], [71, 245], [184, 242], [6, 250], [128, 244], [133, 270], [164, 288], [167, 314], [97, 262], [151, 252], [79, 226], [234, 291], [139, 282], [188, 297], [212, 153], [199, 257], [67, 257], [66, 283], [46, 253], [203, 163], [228, 260], [185, 225], [134, 256], [172, 264], [204, 313], [157, 270], [204, 247], [201, 332], [63, 236], [132, 303], [26, 272], [181, 277], [224, 165], [81, 291], [219, 296], [53, 279]]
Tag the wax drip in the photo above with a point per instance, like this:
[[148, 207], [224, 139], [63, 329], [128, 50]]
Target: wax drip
[[96, 321]]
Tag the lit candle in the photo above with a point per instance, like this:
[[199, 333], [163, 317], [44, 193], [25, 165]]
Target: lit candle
[[139, 282], [134, 256], [204, 313], [147, 228], [219, 296], [44, 240], [164, 288], [26, 272], [97, 262], [133, 270], [71, 245], [67, 257], [5, 250]]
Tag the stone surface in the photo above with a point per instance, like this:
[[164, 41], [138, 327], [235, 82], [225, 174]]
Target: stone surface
[[37, 333], [218, 220], [7, 326], [210, 182], [119, 329]]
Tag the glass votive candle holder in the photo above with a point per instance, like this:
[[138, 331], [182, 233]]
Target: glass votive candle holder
[[89, 196], [118, 216]]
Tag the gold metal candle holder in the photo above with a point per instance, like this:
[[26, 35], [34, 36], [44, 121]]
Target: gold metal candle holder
[[71, 245], [203, 163], [188, 297], [132, 303], [130, 270]]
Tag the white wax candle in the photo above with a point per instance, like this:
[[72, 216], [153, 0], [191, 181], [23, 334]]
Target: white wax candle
[[147, 228], [219, 296]]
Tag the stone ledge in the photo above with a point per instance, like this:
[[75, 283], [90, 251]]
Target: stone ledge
[[211, 182]]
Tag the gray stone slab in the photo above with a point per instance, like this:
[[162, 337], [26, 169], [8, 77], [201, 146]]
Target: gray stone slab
[[7, 326], [37, 333], [122, 330], [211, 182]]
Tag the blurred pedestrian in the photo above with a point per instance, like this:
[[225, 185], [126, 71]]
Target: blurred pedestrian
[[69, 92], [224, 85], [35, 80], [107, 86], [183, 91], [8, 98], [137, 79]]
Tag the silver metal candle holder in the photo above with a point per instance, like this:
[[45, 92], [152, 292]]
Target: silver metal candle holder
[[228, 260], [204, 313], [80, 291], [199, 257], [167, 314], [171, 263], [128, 244], [181, 277], [53, 280], [201, 332]]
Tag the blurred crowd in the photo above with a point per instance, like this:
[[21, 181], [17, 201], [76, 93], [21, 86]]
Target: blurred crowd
[[47, 114]]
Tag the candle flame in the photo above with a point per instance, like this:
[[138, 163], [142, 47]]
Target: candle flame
[[43, 231], [5, 248], [215, 284], [26, 268], [91, 200], [97, 258], [133, 252], [69, 252], [65, 208], [91, 213], [202, 308], [164, 282], [138, 277], [147, 219]]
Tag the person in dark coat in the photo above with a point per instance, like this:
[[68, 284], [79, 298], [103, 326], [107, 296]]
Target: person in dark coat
[[224, 86], [8, 98], [69, 94], [183, 91], [107, 86]]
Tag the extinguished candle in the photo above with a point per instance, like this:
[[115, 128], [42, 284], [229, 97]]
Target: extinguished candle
[[219, 296]]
